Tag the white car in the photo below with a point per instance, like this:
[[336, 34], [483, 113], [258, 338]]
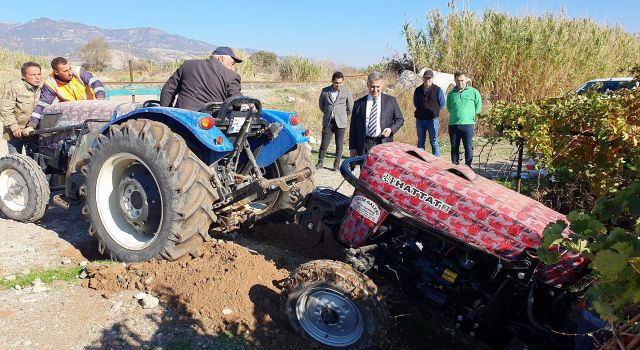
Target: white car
[[609, 84]]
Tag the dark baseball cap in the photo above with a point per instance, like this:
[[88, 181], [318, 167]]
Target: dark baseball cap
[[428, 74], [225, 50]]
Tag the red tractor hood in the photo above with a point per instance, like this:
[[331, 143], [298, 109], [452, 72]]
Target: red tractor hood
[[454, 201]]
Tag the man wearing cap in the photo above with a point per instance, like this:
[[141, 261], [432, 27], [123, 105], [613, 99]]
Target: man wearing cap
[[428, 99], [198, 82]]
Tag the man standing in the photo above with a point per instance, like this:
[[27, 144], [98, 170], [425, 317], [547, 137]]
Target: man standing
[[66, 83], [18, 100], [376, 117], [336, 104], [463, 103], [428, 99], [198, 82]]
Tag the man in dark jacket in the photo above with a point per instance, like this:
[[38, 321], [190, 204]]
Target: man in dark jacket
[[198, 82], [376, 118], [336, 104], [428, 100]]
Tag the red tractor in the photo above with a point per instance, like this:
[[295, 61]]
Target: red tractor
[[448, 238]]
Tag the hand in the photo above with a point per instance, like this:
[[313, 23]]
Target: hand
[[353, 153], [17, 133], [26, 131], [386, 132]]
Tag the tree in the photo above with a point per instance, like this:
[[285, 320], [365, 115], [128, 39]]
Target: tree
[[95, 54]]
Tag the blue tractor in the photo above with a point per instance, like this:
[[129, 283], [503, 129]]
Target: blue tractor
[[158, 182]]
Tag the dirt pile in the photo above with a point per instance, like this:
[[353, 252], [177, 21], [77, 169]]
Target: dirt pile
[[225, 289]]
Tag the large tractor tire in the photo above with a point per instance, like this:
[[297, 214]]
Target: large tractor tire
[[331, 303], [148, 196], [24, 190], [282, 205]]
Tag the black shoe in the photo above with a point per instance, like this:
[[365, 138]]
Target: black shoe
[[335, 167], [319, 166]]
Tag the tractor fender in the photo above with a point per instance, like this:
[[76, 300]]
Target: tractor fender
[[288, 138], [186, 124]]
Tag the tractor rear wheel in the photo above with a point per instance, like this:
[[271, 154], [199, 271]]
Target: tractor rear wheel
[[148, 195], [282, 205]]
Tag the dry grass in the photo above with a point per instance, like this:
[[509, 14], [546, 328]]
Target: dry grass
[[521, 57]]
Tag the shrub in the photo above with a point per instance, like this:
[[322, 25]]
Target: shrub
[[608, 236], [595, 137], [264, 61]]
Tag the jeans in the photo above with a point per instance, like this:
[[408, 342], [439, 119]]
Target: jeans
[[462, 133], [428, 125], [16, 145], [327, 132]]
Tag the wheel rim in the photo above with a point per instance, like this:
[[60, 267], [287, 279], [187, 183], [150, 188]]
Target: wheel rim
[[13, 190], [329, 317], [129, 201]]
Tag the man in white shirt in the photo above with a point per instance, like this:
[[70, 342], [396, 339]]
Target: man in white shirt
[[376, 118]]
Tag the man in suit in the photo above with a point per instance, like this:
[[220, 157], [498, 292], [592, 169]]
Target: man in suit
[[198, 82], [336, 104], [376, 117]]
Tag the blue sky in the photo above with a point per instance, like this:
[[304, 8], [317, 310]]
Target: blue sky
[[355, 33]]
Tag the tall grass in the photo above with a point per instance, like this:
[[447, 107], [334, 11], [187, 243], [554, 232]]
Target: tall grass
[[521, 57], [295, 68], [246, 69], [15, 59]]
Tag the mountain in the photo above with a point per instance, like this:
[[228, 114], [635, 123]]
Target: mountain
[[46, 37]]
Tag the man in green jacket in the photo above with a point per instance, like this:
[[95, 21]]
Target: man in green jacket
[[18, 101], [463, 103]]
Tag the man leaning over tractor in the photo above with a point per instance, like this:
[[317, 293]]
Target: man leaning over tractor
[[66, 83]]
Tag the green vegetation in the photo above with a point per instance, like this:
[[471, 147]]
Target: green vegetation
[[521, 57], [608, 237], [595, 137], [67, 274], [295, 68]]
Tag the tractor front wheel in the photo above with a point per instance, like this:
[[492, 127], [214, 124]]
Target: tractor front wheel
[[24, 190]]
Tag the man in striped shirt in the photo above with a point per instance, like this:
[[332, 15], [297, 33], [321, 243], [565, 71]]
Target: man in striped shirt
[[65, 83]]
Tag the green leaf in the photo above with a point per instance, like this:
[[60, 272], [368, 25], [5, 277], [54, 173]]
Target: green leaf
[[609, 263], [552, 234], [579, 245]]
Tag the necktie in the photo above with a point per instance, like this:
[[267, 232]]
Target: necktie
[[372, 124]]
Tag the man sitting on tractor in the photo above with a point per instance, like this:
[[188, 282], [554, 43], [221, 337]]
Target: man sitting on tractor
[[66, 83], [198, 82]]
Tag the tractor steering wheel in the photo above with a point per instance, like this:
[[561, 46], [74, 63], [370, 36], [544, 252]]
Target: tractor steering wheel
[[151, 103], [210, 107]]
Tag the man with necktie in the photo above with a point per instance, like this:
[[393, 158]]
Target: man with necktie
[[376, 118]]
